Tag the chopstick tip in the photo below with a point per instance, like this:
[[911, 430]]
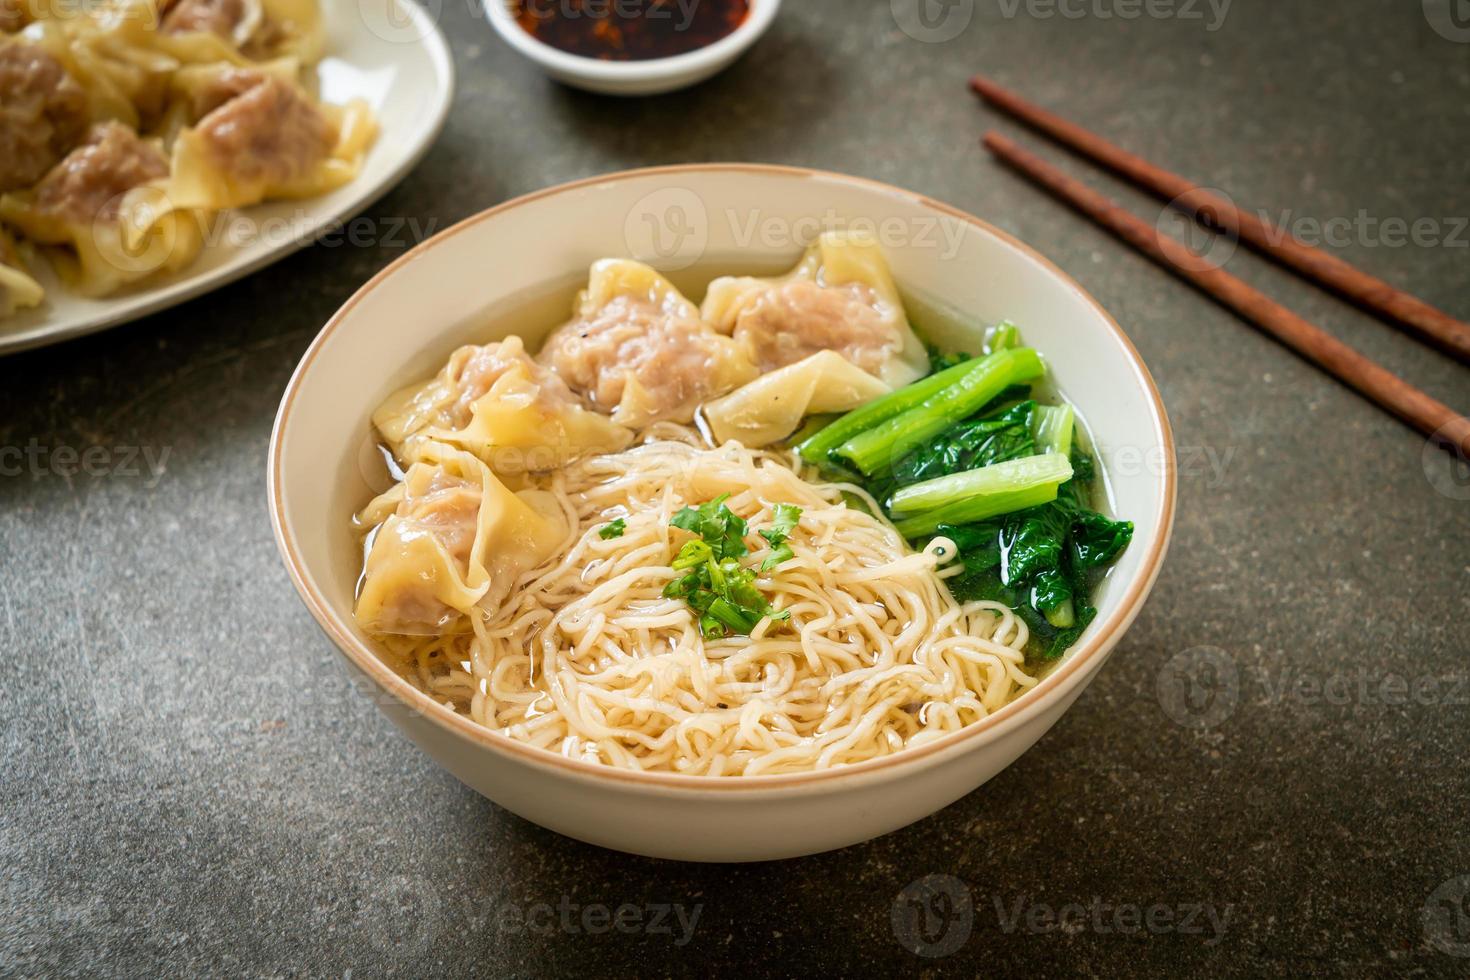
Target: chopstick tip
[[994, 142]]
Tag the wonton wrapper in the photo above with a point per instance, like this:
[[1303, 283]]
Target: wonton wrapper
[[111, 54], [449, 538], [242, 32], [195, 90], [497, 403], [43, 113], [840, 297], [229, 24], [17, 289], [272, 140], [79, 206], [291, 28], [638, 349], [771, 407]]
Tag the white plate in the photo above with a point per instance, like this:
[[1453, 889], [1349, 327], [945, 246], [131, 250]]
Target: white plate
[[388, 52]]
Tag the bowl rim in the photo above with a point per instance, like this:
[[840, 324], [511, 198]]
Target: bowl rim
[[760, 17], [1051, 688]]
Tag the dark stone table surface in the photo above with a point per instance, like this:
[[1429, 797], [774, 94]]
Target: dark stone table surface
[[188, 785]]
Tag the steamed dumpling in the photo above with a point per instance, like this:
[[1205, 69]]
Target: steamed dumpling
[[270, 139], [233, 20], [43, 114], [840, 297], [267, 139], [448, 538], [197, 90], [110, 53], [291, 28], [638, 349], [495, 402], [771, 407], [79, 205], [239, 31]]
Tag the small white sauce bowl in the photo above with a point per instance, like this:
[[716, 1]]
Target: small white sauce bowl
[[651, 77]]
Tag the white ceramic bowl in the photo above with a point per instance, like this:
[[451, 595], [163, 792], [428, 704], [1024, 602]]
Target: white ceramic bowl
[[514, 267], [651, 77]]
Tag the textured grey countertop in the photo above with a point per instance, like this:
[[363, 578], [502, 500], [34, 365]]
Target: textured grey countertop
[[189, 785]]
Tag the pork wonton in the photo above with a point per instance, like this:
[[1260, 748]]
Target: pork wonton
[[495, 402], [241, 31], [43, 114], [267, 139], [109, 51], [449, 538], [840, 297], [637, 348], [79, 205]]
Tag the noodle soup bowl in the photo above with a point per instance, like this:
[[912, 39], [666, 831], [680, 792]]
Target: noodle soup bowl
[[514, 268]]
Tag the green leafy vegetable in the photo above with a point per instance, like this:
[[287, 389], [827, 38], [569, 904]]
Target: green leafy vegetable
[[613, 529], [1097, 541], [718, 525], [975, 495], [992, 435], [890, 440], [819, 447], [786, 516], [1052, 594], [968, 454], [971, 444], [940, 361], [723, 594], [1043, 562], [720, 590], [1051, 427], [1002, 336]]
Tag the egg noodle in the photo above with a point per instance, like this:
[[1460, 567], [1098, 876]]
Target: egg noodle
[[588, 658]]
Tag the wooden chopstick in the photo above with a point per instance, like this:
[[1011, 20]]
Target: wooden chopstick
[[1431, 324], [1378, 384]]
